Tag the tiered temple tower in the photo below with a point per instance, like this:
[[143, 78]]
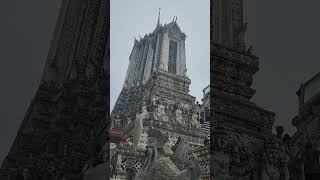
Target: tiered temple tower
[[157, 85], [233, 70], [307, 124], [306, 121], [155, 92], [241, 130], [65, 126]]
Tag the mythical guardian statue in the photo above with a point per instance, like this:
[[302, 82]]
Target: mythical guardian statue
[[158, 165], [180, 155]]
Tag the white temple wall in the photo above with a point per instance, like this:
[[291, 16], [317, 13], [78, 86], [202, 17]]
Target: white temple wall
[[164, 52], [157, 53], [148, 65], [143, 61], [137, 62], [182, 67], [129, 78]]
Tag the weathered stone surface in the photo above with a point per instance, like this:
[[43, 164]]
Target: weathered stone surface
[[66, 123], [307, 124], [243, 146]]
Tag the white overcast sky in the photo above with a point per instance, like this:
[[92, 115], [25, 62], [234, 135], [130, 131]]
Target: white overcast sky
[[131, 18]]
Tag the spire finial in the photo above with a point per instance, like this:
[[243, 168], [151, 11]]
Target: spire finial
[[158, 24]]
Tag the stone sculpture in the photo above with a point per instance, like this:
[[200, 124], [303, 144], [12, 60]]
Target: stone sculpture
[[295, 163], [157, 164], [180, 155], [270, 171]]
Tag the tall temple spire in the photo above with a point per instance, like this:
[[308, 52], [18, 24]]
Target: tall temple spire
[[158, 24]]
